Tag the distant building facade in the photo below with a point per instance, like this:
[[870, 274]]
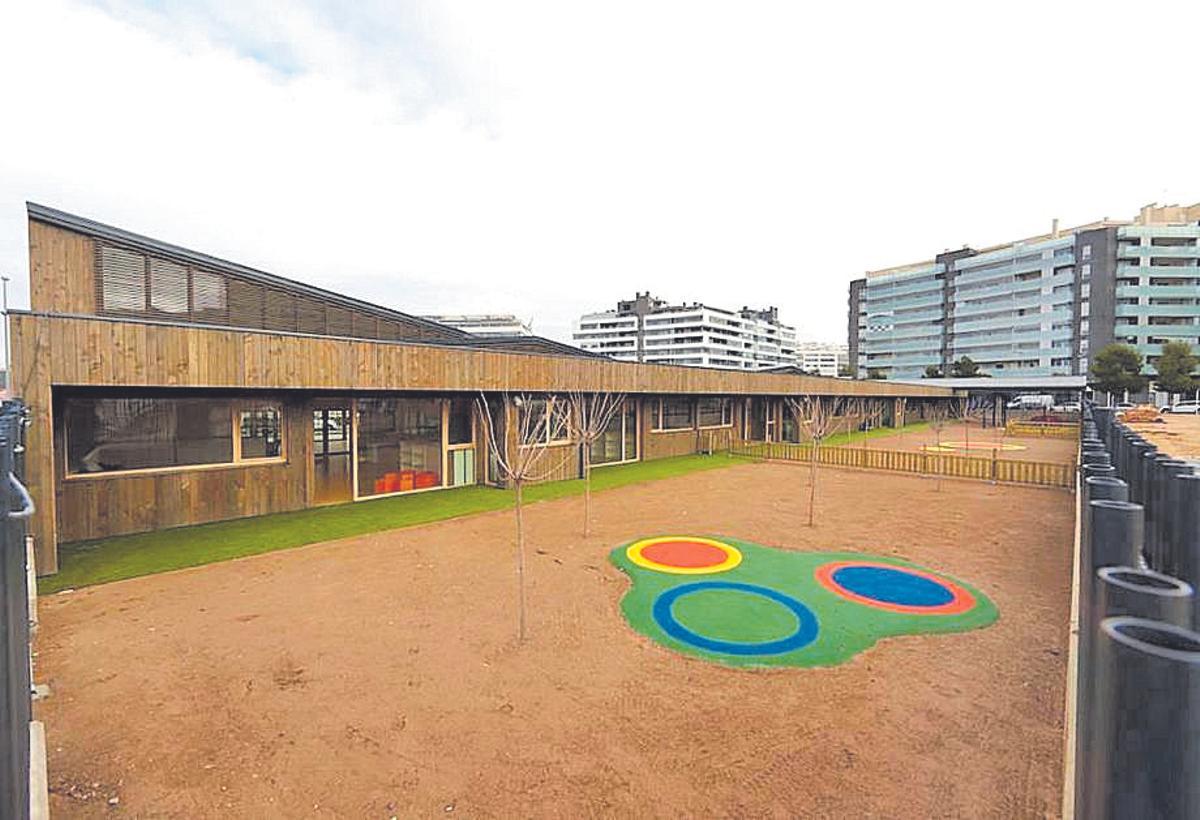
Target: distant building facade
[[1040, 306], [822, 358], [486, 324], [646, 329]]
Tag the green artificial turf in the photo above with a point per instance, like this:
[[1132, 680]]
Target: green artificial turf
[[845, 627], [839, 439], [111, 559]]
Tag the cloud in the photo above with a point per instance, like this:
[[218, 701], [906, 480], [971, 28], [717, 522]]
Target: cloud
[[548, 159]]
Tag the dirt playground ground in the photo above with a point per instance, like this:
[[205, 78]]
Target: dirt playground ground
[[1177, 435], [379, 676], [981, 440]]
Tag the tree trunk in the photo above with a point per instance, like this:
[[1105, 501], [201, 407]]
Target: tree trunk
[[587, 491], [812, 483], [520, 564]]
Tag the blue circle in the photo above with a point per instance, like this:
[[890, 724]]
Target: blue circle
[[806, 631], [892, 586]]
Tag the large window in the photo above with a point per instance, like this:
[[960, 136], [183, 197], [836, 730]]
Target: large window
[[399, 445], [460, 428], [548, 419], [618, 442], [108, 435], [113, 435], [714, 412], [675, 414]]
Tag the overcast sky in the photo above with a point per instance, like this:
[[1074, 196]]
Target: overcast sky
[[548, 159]]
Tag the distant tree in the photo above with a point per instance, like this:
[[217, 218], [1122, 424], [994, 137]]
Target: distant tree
[[519, 457], [1117, 368], [1177, 368], [874, 373], [965, 368], [844, 372], [590, 416], [933, 372]]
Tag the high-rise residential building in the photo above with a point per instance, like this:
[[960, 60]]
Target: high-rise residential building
[[486, 324], [646, 329], [822, 358], [1035, 307]]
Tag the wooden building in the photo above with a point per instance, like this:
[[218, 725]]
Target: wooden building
[[168, 388]]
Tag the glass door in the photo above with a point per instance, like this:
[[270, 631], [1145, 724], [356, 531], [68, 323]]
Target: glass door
[[757, 426], [333, 468]]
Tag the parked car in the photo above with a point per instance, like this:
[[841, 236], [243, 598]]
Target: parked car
[[1031, 402], [1188, 407]]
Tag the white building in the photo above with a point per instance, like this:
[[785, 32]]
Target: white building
[[822, 358], [649, 330], [486, 324]]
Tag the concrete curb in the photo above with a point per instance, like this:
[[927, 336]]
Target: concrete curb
[[39, 792], [1072, 693]]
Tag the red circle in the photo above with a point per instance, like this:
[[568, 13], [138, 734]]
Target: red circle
[[682, 553]]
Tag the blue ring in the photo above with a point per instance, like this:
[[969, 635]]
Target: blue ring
[[805, 633]]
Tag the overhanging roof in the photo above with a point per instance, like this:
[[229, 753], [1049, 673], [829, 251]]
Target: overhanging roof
[[1006, 384]]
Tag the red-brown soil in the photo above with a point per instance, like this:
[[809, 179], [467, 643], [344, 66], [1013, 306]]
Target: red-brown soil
[[1178, 435], [380, 676]]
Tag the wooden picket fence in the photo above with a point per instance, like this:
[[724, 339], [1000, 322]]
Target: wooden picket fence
[[1042, 429], [994, 469]]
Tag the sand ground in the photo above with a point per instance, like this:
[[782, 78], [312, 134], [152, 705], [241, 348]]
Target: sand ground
[[1177, 435], [379, 676], [981, 441]]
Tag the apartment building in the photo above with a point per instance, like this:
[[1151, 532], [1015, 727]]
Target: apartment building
[[821, 358], [1038, 306], [647, 329]]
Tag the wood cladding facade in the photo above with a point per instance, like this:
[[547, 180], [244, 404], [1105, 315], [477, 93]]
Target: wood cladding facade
[[62, 346]]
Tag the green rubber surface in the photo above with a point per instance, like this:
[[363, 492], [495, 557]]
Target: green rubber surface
[[846, 627]]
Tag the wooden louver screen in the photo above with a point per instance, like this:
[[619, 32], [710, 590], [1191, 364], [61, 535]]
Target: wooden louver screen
[[133, 283]]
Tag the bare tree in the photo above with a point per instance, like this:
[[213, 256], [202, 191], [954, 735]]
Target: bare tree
[[900, 419], [873, 412], [815, 417], [590, 416], [519, 457], [852, 412], [938, 413]]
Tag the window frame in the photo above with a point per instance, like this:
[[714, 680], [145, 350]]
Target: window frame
[[237, 406], [551, 402], [659, 415], [240, 408], [726, 413]]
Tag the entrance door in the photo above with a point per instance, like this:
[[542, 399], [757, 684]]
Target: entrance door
[[757, 428], [333, 476]]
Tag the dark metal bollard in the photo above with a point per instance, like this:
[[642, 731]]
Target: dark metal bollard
[[1095, 488], [1094, 457], [1147, 721], [1186, 502], [1117, 591], [1163, 545], [1095, 470], [1117, 534], [1143, 594]]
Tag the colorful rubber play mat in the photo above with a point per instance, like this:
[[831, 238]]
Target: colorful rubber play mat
[[743, 604], [971, 446]]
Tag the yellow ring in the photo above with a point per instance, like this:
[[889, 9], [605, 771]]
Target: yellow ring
[[733, 555]]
